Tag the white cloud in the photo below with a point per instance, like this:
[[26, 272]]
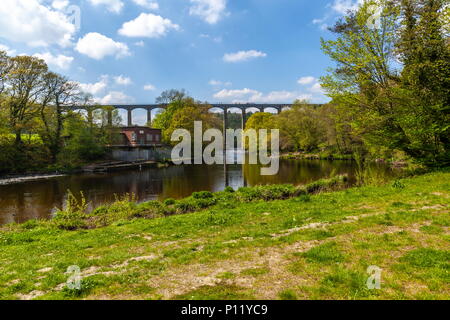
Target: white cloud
[[8, 50], [321, 22], [139, 44], [317, 88], [306, 80], [343, 6], [215, 39], [123, 81], [209, 10], [313, 85], [114, 6], [234, 94], [217, 83], [335, 9], [148, 4], [115, 97], [95, 88], [98, 46], [149, 87], [60, 61], [147, 25], [243, 56], [101, 94], [60, 4], [253, 96], [35, 24]]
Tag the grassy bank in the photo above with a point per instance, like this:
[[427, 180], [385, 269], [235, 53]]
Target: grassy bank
[[315, 156], [242, 245]]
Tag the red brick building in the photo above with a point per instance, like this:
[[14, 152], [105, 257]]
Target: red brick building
[[133, 144], [139, 137]]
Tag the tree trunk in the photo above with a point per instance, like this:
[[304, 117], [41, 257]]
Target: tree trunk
[[18, 140]]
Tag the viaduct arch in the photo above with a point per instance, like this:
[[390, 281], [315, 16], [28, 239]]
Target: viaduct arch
[[150, 107]]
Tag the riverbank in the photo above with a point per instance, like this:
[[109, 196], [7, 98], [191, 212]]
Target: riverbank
[[399, 162], [99, 167], [314, 156], [307, 246]]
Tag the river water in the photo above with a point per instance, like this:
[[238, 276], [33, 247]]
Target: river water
[[20, 202]]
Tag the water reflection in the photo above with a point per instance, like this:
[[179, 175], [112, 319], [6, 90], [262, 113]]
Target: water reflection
[[38, 199]]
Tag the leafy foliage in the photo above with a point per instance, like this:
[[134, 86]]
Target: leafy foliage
[[38, 130], [397, 107]]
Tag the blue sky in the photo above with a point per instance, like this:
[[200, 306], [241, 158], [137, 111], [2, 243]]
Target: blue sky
[[128, 51]]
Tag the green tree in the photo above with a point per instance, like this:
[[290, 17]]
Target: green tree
[[181, 113], [301, 128], [59, 94], [83, 143], [170, 96], [390, 106], [25, 79], [425, 79], [258, 121]]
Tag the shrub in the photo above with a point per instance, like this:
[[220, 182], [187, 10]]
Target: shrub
[[229, 189], [169, 202], [100, 210], [155, 209], [205, 203], [193, 204], [325, 184], [397, 184], [186, 205], [277, 192], [203, 195], [30, 224], [247, 194], [300, 191], [70, 220], [74, 215], [315, 186], [268, 193]]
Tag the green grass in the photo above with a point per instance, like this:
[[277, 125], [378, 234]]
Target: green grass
[[27, 138], [326, 253], [263, 243], [287, 295]]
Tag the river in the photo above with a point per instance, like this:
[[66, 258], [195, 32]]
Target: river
[[20, 202]]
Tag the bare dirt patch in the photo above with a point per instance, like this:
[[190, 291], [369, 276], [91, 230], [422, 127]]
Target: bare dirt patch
[[183, 279], [30, 296]]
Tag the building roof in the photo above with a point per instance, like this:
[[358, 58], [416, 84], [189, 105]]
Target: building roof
[[138, 127]]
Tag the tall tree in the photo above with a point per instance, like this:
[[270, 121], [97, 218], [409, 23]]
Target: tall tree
[[425, 53], [171, 96], [397, 106], [59, 94], [26, 85]]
